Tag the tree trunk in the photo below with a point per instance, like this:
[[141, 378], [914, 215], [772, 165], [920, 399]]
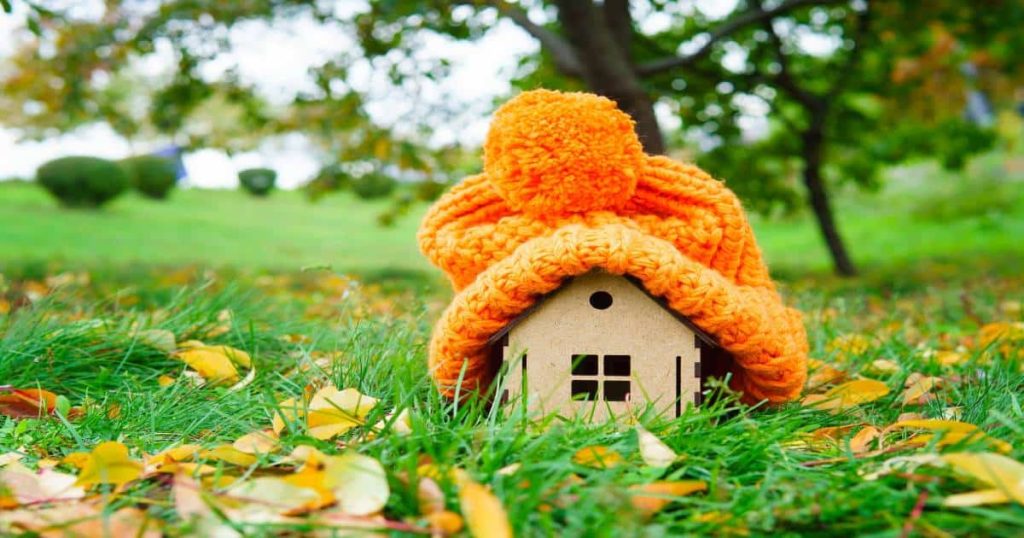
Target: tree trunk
[[606, 65], [813, 146]]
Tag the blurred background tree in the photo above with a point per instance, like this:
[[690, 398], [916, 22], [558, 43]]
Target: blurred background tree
[[786, 100]]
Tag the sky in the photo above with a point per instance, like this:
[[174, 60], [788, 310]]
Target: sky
[[276, 58]]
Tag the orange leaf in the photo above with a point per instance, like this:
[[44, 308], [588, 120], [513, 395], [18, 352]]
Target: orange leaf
[[649, 499]]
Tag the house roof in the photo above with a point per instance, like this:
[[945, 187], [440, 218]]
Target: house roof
[[704, 337]]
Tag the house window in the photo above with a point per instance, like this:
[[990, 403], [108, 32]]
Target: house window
[[601, 378]]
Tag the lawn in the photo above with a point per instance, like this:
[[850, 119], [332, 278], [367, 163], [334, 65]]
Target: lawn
[[151, 426]]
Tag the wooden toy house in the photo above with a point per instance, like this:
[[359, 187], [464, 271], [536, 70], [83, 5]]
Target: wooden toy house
[[600, 344]]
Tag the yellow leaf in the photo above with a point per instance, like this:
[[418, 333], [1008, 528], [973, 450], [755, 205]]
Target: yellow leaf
[[934, 424], [258, 442], [484, 513], [358, 482], [289, 412], [653, 451], [229, 454], [861, 442], [996, 470], [165, 381], [977, 498], [333, 412], [883, 367], [920, 389], [76, 459], [109, 463], [649, 499], [950, 358], [847, 395], [212, 365], [599, 457], [823, 373], [444, 522]]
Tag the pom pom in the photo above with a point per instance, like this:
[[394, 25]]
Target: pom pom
[[552, 152]]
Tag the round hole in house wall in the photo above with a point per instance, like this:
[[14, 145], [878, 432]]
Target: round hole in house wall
[[601, 300]]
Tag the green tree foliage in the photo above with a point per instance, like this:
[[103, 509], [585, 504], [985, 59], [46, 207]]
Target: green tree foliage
[[847, 86], [151, 175], [87, 182], [257, 181]]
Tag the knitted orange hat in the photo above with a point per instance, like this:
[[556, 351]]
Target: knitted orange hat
[[567, 188]]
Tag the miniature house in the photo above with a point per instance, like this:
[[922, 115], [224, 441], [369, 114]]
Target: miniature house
[[599, 345]]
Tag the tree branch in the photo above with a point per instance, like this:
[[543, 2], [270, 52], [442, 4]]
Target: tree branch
[[726, 29], [853, 59], [565, 58]]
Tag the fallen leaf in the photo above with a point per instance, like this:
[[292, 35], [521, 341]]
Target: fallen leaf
[[599, 457], [212, 365], [268, 497], [109, 463], [24, 486], [358, 482], [333, 412], [822, 373], [950, 358], [160, 339], [26, 403], [995, 470], [977, 498], [847, 395], [649, 499], [919, 391], [861, 441], [229, 454], [429, 496], [484, 513], [653, 451], [882, 367], [445, 522], [258, 442], [165, 381]]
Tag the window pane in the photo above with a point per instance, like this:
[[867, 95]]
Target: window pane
[[583, 389], [616, 365], [616, 391], [584, 365]]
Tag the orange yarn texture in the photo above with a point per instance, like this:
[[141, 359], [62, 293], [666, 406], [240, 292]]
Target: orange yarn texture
[[566, 189]]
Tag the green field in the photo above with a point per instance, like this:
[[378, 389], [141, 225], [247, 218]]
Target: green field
[[285, 232], [97, 307]]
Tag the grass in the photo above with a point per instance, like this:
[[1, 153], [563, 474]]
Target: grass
[[885, 231], [764, 477], [81, 286]]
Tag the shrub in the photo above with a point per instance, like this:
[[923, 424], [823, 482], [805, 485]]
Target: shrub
[[152, 176], [373, 185], [257, 181], [82, 181], [330, 178]]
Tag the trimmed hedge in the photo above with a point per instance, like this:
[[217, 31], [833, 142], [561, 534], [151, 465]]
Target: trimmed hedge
[[151, 175], [373, 185], [257, 181], [82, 181]]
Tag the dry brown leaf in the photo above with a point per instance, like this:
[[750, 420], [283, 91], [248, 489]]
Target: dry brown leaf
[[653, 450], [485, 515], [649, 499], [20, 485], [861, 441], [26, 403], [822, 373]]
